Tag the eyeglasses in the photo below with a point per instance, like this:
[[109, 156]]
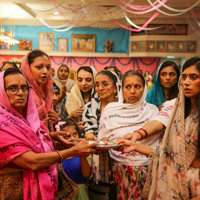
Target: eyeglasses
[[171, 74], [15, 89], [103, 84]]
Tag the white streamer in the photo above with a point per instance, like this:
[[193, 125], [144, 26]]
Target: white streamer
[[165, 13], [179, 10], [139, 27]]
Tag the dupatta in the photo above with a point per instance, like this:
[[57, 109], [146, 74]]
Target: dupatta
[[74, 98], [91, 111], [155, 94], [167, 173], [68, 82], [19, 135], [42, 94]]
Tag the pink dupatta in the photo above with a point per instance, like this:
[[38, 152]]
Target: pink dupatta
[[19, 135], [42, 95]]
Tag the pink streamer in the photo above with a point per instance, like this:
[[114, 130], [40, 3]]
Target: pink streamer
[[191, 10], [143, 12], [136, 7]]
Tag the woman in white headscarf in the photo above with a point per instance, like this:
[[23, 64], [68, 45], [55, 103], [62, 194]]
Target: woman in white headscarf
[[130, 113], [81, 92], [107, 89]]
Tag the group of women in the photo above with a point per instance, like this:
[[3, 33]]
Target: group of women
[[152, 163]]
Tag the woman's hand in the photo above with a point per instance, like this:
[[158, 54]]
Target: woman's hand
[[127, 145], [132, 136], [80, 124], [84, 149], [105, 140], [195, 163], [60, 137], [91, 136], [53, 116], [76, 113]]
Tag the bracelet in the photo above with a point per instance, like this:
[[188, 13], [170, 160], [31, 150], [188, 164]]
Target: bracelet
[[141, 135], [145, 131], [151, 152], [60, 155]]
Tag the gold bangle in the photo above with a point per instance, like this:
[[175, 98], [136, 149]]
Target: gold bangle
[[60, 155], [151, 152]]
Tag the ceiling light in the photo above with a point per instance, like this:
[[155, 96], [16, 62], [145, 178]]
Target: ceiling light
[[56, 13]]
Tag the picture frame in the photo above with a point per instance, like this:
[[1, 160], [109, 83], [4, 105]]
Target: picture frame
[[171, 46], [160, 46], [181, 46], [83, 43], [62, 44], [141, 46], [134, 46], [46, 41], [150, 46], [191, 46]]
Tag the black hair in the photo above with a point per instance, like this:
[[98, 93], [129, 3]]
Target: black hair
[[195, 61], [133, 73], [12, 70], [34, 54], [86, 68], [63, 65], [56, 87], [109, 74], [117, 71], [174, 90], [11, 63], [70, 122]]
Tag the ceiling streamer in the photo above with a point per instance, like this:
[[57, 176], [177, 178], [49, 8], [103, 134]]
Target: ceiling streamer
[[123, 10]]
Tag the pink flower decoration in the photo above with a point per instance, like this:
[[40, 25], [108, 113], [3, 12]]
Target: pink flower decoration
[[57, 126]]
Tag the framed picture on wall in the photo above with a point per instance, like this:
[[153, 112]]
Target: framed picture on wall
[[83, 43], [62, 44], [46, 41], [141, 46], [160, 46], [181, 46], [150, 46], [134, 46], [191, 46], [171, 46]]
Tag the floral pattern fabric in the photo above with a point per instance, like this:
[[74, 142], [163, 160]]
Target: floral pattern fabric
[[170, 175], [130, 181]]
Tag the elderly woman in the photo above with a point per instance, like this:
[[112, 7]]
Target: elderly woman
[[107, 89], [36, 66], [120, 118], [174, 171], [165, 84], [28, 162], [81, 92]]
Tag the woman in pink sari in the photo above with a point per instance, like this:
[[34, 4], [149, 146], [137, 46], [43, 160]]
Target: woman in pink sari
[[28, 162], [36, 67]]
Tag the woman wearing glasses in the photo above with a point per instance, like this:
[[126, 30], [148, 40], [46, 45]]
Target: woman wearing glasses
[[107, 90], [28, 162], [165, 84], [36, 67]]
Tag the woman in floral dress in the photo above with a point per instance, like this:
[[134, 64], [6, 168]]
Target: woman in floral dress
[[175, 167]]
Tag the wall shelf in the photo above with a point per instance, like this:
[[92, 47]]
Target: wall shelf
[[67, 54]]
